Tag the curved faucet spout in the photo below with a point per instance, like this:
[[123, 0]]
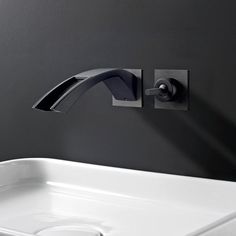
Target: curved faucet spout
[[121, 83]]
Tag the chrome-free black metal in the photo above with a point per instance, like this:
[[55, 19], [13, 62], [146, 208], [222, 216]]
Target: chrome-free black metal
[[121, 83], [164, 90]]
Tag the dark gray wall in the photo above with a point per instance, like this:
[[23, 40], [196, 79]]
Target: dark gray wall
[[42, 42]]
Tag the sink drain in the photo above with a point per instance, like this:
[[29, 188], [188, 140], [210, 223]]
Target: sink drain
[[69, 231]]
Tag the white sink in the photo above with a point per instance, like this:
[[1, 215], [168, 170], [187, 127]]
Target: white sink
[[48, 197]]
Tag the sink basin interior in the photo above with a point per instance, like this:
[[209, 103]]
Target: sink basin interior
[[225, 226], [69, 231], [53, 198]]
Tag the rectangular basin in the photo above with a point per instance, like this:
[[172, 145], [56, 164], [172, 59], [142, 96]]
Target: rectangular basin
[[49, 197]]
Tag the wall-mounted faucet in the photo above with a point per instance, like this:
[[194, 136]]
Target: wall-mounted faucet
[[124, 85], [170, 90]]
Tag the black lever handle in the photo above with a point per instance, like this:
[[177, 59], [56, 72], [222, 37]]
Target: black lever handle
[[165, 90]]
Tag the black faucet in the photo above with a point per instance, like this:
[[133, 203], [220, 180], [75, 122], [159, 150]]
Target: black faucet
[[121, 83]]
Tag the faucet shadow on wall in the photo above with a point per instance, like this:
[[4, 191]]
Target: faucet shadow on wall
[[207, 137]]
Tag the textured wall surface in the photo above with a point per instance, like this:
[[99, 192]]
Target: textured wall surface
[[42, 42]]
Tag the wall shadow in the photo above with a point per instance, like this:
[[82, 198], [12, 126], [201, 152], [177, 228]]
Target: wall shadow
[[202, 134]]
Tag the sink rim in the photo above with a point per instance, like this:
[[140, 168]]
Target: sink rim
[[148, 187]]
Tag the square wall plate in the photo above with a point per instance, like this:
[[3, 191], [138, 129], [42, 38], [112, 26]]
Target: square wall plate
[[139, 101], [182, 76]]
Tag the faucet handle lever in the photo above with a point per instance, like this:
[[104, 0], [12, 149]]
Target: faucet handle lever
[[164, 90]]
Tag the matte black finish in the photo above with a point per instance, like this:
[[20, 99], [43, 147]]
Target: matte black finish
[[176, 96], [121, 83], [139, 92], [43, 42], [164, 90]]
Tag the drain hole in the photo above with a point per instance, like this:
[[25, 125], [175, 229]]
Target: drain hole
[[69, 231]]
